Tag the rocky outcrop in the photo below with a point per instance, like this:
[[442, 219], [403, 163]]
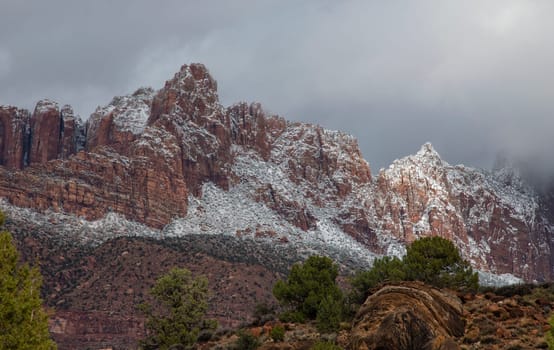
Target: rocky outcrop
[[93, 184], [46, 125], [97, 330], [189, 109], [494, 218], [252, 128], [14, 136], [72, 133], [121, 122], [54, 133], [408, 316], [50, 133]]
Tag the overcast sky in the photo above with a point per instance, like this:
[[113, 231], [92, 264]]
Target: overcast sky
[[472, 77]]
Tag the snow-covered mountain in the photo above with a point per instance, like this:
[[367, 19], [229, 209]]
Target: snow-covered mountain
[[175, 162]]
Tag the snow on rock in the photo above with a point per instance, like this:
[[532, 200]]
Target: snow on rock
[[497, 280], [79, 230], [490, 216], [132, 112], [128, 113], [235, 171], [45, 105]]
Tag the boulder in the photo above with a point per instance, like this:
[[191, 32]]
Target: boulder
[[408, 316]]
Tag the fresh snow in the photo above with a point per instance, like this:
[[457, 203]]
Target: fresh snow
[[239, 212], [130, 112]]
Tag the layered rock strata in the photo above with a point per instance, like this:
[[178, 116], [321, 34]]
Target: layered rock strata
[[408, 316], [177, 159]]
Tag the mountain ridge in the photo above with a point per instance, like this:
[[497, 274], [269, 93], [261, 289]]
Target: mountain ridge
[[179, 162]]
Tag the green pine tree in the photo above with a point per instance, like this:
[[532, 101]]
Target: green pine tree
[[23, 322], [437, 261], [311, 292], [177, 317], [433, 260]]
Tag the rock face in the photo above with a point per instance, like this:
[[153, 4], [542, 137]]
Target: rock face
[[53, 133], [494, 218], [45, 135], [177, 159], [408, 316], [13, 136]]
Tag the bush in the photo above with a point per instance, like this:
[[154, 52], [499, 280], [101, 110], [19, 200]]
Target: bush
[[433, 260], [277, 333], [246, 341], [550, 333], [263, 313], [323, 345], [309, 288], [292, 317], [436, 261], [329, 315]]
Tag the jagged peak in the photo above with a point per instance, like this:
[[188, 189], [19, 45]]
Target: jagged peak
[[144, 91], [8, 107], [46, 105], [194, 76], [190, 94], [427, 150], [426, 156]]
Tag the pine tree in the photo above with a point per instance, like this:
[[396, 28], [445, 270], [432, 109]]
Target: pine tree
[[23, 322], [177, 317], [437, 261], [311, 292]]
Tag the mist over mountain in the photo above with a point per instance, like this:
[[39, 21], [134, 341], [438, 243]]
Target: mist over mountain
[[472, 78]]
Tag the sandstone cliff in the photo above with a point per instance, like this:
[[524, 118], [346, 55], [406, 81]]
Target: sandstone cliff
[[178, 161]]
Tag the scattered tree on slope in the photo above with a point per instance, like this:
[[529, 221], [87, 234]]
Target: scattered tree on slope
[[311, 292], [433, 260], [177, 317], [23, 322]]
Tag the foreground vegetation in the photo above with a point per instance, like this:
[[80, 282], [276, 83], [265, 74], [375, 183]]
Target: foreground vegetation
[[312, 304], [432, 260], [23, 322], [177, 315]]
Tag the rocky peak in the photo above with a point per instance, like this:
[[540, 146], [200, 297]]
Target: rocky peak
[[45, 106], [121, 121], [492, 217], [428, 154], [191, 94]]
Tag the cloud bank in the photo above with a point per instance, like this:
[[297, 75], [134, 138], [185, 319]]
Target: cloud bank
[[472, 77]]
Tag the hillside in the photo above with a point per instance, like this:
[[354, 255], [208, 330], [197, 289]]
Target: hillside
[[169, 177]]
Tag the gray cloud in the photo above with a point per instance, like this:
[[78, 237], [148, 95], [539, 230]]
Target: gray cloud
[[472, 77]]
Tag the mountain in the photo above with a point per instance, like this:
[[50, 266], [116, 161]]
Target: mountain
[[178, 162], [176, 168]]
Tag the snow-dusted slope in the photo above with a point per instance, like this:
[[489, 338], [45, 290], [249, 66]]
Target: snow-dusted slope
[[194, 167], [492, 220]]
